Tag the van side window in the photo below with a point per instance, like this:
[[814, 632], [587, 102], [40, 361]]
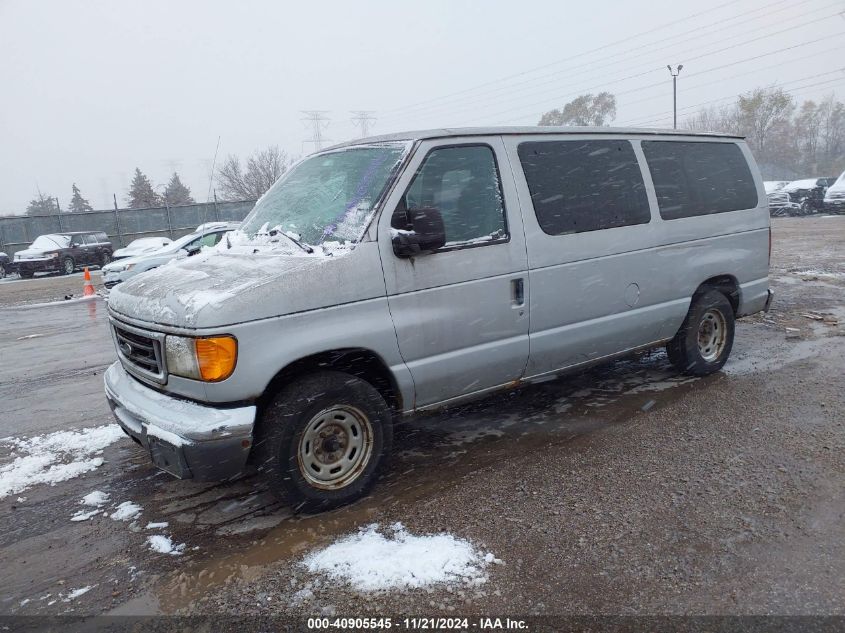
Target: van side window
[[463, 184], [699, 178], [579, 186]]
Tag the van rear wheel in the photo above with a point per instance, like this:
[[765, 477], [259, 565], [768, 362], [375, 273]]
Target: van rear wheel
[[705, 339], [323, 440]]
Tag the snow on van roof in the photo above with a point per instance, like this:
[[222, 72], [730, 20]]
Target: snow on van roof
[[523, 130]]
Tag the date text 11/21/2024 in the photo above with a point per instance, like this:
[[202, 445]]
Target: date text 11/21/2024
[[418, 624]]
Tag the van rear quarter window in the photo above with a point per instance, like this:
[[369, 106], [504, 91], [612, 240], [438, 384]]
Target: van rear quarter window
[[579, 186], [699, 178]]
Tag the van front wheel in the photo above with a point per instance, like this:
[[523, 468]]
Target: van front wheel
[[323, 440], [704, 342]]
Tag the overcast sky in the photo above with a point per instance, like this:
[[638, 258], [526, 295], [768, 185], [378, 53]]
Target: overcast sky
[[90, 90]]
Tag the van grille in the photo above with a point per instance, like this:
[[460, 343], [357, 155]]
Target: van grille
[[139, 351]]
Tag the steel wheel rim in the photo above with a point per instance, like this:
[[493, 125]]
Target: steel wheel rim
[[712, 334], [68, 266], [335, 447]]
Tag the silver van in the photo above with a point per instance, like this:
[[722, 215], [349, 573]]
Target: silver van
[[400, 273]]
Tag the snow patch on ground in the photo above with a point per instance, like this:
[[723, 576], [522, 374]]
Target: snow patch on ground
[[83, 515], [125, 511], [824, 274], [73, 595], [163, 545], [54, 457], [157, 526], [95, 498], [374, 561]]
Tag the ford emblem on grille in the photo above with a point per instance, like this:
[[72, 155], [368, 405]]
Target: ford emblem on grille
[[125, 348]]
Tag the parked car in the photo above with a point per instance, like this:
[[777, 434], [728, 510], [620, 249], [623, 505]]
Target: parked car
[[834, 197], [139, 246], [808, 193], [64, 252], [408, 272], [6, 265], [781, 204], [774, 185], [188, 245]]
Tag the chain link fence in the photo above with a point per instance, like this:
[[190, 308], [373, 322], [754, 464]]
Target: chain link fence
[[121, 225]]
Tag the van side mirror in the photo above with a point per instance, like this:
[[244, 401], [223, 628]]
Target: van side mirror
[[417, 231]]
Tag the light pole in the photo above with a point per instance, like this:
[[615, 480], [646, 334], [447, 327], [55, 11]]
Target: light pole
[[675, 74], [166, 210]]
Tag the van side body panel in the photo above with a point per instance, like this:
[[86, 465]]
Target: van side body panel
[[459, 329], [599, 293]]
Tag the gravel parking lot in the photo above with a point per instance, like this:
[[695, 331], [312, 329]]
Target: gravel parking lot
[[625, 490]]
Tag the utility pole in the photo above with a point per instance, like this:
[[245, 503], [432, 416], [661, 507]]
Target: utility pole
[[363, 119], [675, 74], [318, 121]]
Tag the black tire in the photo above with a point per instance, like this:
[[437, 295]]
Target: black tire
[[105, 258], [685, 350], [68, 266], [286, 428], [26, 274]]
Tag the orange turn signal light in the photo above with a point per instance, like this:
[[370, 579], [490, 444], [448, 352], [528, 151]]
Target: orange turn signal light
[[216, 357]]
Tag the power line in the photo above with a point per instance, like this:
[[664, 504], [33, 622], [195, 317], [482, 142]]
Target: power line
[[545, 102], [687, 56], [657, 118], [364, 119], [560, 61], [590, 66], [742, 74], [318, 121]]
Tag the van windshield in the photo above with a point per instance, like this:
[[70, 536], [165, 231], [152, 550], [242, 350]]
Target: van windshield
[[329, 196]]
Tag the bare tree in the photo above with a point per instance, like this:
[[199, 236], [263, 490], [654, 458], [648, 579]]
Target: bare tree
[[763, 111], [587, 109], [263, 168], [724, 120]]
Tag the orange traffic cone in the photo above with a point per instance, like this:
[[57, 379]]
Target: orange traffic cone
[[88, 289]]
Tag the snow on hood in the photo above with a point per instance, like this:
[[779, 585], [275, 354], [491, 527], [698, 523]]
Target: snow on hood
[[795, 185], [33, 252], [218, 287]]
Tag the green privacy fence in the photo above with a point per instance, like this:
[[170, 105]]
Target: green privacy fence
[[121, 225]]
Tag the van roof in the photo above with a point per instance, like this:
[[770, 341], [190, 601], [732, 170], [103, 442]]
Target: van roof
[[524, 130]]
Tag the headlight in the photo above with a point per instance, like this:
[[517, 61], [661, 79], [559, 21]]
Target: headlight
[[210, 358], [118, 268], [52, 255]]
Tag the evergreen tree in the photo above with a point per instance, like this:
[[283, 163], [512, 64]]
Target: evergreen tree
[[141, 193], [78, 204], [177, 193], [42, 205]]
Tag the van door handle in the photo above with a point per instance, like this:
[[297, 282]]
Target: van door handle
[[518, 291]]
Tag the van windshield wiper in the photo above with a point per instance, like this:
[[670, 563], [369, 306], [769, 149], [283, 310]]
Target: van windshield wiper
[[308, 249]]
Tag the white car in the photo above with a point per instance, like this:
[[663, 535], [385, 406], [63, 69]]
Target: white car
[[141, 245], [834, 197], [190, 244]]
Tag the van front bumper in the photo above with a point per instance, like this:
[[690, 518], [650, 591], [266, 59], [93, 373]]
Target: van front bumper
[[186, 439]]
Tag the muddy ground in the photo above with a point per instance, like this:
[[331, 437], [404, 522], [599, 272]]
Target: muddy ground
[[624, 490]]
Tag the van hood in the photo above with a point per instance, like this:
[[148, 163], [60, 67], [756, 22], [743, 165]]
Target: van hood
[[215, 289]]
